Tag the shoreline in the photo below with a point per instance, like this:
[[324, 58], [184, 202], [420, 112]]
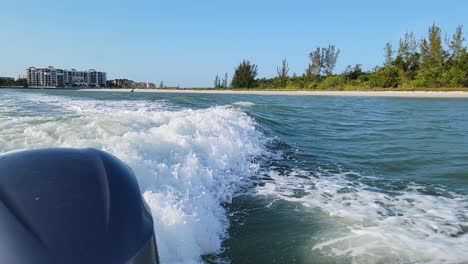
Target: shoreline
[[409, 94]]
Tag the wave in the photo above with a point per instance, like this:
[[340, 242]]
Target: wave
[[7, 106], [411, 225], [188, 162], [244, 103]]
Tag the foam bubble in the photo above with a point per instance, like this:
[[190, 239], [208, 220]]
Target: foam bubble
[[406, 226], [188, 162]]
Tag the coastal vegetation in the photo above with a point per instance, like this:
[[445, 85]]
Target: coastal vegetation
[[5, 82], [221, 83], [430, 62], [244, 75]]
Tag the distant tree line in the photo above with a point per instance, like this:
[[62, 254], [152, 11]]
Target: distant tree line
[[430, 62], [6, 81], [221, 83]]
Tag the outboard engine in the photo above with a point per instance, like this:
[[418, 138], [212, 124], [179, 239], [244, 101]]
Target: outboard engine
[[72, 206]]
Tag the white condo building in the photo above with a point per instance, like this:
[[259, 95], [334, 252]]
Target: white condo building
[[51, 77]]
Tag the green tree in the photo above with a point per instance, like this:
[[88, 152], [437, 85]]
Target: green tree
[[7, 81], [225, 80], [408, 46], [335, 82], [316, 63], [456, 44], [244, 75], [425, 53], [388, 54], [322, 61], [433, 61], [386, 77], [217, 82], [22, 82], [455, 70], [407, 60], [434, 47], [353, 73], [329, 59], [283, 72], [456, 74]]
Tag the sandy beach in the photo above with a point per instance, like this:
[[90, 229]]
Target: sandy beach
[[414, 94]]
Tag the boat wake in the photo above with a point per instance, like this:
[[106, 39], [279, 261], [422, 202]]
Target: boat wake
[[188, 162], [411, 224]]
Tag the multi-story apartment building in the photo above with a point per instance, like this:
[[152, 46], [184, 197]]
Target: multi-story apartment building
[[51, 77]]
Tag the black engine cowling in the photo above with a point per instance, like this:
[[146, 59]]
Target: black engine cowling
[[72, 206]]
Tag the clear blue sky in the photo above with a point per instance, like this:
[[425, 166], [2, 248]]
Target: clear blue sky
[[188, 42]]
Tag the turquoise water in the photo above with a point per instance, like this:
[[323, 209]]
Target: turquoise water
[[274, 179]]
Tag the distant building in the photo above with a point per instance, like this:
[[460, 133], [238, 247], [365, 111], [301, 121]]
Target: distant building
[[121, 83], [146, 85], [51, 77], [125, 83], [150, 85]]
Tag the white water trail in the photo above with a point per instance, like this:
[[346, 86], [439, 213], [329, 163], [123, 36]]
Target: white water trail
[[406, 226], [244, 104], [188, 162]]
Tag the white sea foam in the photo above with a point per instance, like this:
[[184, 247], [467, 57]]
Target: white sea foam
[[244, 103], [83, 105], [188, 162], [406, 226], [7, 105]]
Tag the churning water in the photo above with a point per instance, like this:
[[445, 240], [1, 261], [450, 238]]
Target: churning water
[[274, 179]]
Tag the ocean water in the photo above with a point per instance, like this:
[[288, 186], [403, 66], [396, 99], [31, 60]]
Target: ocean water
[[273, 179]]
